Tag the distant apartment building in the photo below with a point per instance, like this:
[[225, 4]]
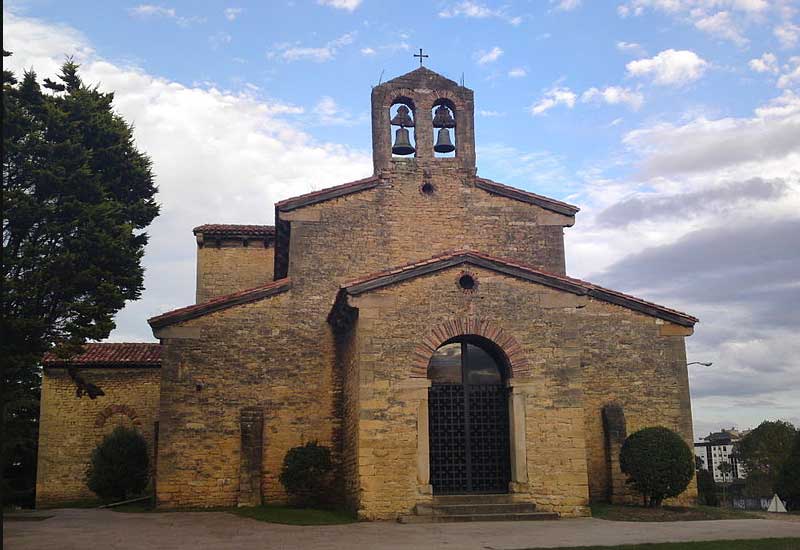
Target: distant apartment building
[[716, 448]]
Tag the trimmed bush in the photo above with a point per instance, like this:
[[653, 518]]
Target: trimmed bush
[[307, 474], [658, 462], [120, 466]]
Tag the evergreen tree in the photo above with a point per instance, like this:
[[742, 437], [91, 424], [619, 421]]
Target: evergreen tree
[[763, 451], [77, 195]]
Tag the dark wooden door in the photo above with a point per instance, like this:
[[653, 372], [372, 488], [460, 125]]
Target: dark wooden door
[[468, 425]]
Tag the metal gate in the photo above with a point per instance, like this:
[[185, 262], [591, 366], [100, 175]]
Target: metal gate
[[468, 426]]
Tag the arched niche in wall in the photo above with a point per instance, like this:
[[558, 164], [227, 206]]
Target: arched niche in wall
[[402, 117], [443, 114]]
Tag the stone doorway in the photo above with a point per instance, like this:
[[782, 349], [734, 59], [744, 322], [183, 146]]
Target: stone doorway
[[468, 418]]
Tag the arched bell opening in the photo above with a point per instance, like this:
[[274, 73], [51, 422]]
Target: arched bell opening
[[468, 417], [444, 125], [401, 116]]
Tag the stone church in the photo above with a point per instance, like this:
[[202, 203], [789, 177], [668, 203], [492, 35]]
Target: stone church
[[418, 322]]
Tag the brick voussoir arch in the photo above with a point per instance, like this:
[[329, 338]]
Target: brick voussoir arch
[[443, 332], [111, 410]]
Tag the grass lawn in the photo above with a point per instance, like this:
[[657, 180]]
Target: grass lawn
[[269, 513], [295, 516], [756, 544], [666, 513]]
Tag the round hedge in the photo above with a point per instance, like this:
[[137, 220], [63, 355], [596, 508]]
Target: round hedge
[[120, 465], [307, 474], [658, 462]]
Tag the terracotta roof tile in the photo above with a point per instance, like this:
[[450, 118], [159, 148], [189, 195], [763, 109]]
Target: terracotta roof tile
[[219, 303], [327, 193], [111, 354], [232, 229], [526, 196], [570, 284]]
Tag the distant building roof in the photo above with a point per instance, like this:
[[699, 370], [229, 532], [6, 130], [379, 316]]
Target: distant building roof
[[137, 354]]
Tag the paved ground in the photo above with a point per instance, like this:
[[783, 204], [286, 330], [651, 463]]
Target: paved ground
[[96, 529]]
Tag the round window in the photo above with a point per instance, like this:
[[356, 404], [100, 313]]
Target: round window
[[467, 282]]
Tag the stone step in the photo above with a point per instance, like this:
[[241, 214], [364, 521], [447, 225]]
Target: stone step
[[475, 507], [529, 516], [500, 498]]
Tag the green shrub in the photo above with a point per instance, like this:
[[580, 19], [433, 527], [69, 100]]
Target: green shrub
[[706, 488], [658, 463], [120, 465], [788, 484], [307, 474]]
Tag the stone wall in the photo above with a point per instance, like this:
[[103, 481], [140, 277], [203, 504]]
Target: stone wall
[[396, 223], [231, 267], [268, 355], [70, 428], [557, 386]]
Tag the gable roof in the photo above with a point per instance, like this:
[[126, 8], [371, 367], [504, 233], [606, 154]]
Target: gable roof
[[421, 75], [293, 203], [521, 271], [220, 303], [110, 354], [235, 230], [526, 196], [327, 194]]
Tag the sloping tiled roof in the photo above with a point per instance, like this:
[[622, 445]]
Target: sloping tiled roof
[[373, 181], [219, 303], [327, 194], [526, 196], [514, 269], [234, 230], [138, 354]]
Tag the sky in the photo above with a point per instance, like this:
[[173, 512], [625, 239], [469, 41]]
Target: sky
[[673, 124]]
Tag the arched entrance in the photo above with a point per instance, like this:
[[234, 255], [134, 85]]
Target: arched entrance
[[468, 417]]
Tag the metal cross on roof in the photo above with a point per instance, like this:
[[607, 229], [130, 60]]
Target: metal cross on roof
[[420, 55]]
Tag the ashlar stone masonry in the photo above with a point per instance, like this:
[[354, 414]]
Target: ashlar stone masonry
[[421, 324]]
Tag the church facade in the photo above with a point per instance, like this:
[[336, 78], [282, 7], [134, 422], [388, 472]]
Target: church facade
[[418, 322]]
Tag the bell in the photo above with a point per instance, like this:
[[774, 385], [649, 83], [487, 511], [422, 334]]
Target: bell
[[443, 143], [402, 145]]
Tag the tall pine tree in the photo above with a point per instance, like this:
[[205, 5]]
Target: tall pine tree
[[77, 196]]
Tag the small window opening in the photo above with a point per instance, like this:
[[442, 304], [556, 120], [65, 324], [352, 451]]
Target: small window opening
[[427, 188], [443, 122], [402, 122], [467, 282]]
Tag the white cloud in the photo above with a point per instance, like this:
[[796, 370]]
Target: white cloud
[[724, 19], [767, 63], [517, 72], [788, 34], [330, 113], [553, 97], [368, 51], [614, 95], [219, 39], [566, 5], [321, 54], [348, 5], [476, 10], [631, 48], [705, 144], [157, 11], [218, 156], [231, 14], [670, 67], [490, 114], [484, 57], [721, 25], [792, 76]]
